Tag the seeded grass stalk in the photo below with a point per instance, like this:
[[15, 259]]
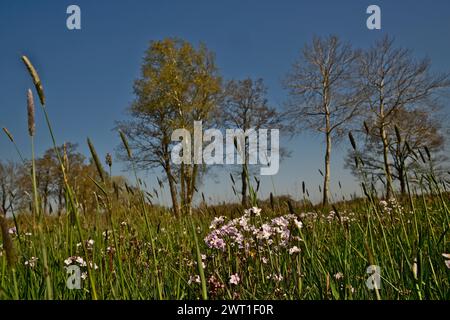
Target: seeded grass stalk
[[37, 211], [323, 254], [144, 211], [11, 138], [103, 188], [200, 264], [372, 208], [72, 202]]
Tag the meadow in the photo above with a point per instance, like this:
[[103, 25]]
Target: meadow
[[308, 254], [279, 248]]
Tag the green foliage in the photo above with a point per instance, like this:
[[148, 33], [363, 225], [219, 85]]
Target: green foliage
[[393, 236]]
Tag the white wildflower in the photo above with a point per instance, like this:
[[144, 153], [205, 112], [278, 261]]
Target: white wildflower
[[298, 224], [194, 279], [68, 261], [293, 250], [339, 276], [253, 210], [32, 262], [234, 279]]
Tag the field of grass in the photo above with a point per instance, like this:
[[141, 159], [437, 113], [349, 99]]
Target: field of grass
[[308, 254], [129, 249]]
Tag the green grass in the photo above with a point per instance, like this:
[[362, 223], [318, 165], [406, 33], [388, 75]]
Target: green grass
[[142, 267]]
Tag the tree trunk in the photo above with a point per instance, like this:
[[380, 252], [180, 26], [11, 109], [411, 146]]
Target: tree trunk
[[182, 186], [173, 190], [191, 188], [384, 139], [387, 168], [60, 199], [7, 242], [401, 178], [402, 186], [326, 178], [244, 173], [326, 107], [244, 185], [45, 202], [4, 208]]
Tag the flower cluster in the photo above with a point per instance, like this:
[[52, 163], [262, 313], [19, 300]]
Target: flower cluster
[[248, 231], [390, 206], [89, 244], [215, 286], [31, 263], [342, 217], [75, 260], [235, 279], [253, 211], [107, 234], [294, 250], [275, 277], [194, 279], [79, 261], [339, 275]]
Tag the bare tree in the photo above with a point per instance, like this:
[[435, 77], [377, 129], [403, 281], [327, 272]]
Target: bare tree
[[245, 107], [409, 133], [324, 97], [394, 79]]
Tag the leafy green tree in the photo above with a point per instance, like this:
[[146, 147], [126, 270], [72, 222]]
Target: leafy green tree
[[179, 84]]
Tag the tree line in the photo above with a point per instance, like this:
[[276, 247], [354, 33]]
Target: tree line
[[384, 95], [383, 98], [16, 187], [381, 92]]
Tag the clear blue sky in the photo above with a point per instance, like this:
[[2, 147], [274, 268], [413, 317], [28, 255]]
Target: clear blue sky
[[88, 74]]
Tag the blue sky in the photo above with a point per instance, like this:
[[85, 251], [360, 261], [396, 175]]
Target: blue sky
[[88, 74]]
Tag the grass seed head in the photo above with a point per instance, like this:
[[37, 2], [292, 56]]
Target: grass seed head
[[125, 143], [10, 136], [352, 140], [96, 160], [108, 160], [30, 108], [65, 157], [35, 77], [427, 151]]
